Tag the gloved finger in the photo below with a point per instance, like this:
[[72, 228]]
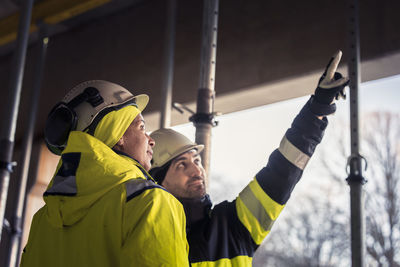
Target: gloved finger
[[332, 66], [334, 83]]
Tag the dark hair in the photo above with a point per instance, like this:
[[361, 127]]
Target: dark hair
[[159, 173]]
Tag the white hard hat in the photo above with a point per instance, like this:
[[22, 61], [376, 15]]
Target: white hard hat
[[169, 145], [83, 107]]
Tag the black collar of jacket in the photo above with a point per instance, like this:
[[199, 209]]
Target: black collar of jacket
[[196, 209]]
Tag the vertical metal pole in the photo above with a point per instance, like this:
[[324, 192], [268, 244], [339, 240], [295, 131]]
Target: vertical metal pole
[[17, 220], [169, 53], [10, 111], [355, 178], [204, 118]]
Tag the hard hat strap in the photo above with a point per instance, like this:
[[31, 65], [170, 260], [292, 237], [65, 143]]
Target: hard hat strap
[[90, 95]]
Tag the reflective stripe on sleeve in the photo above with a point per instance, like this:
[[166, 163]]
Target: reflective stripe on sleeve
[[136, 186], [64, 182], [272, 208], [257, 211], [293, 154], [63, 186]]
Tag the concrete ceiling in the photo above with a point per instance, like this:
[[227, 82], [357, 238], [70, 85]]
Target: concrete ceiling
[[267, 51]]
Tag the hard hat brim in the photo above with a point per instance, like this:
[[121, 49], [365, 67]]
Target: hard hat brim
[[141, 101], [181, 151]]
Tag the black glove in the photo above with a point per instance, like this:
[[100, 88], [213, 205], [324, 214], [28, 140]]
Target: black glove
[[331, 86]]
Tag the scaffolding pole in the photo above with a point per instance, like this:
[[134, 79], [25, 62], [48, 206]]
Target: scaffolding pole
[[204, 120], [20, 197], [10, 111], [355, 178], [168, 76]]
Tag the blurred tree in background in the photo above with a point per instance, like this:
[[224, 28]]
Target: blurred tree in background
[[314, 227], [382, 205]]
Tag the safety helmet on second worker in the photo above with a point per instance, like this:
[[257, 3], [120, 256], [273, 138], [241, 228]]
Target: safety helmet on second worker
[[82, 109], [169, 145]]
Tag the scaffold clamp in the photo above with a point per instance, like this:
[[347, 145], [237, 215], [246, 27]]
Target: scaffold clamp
[[204, 118], [354, 170], [8, 165]]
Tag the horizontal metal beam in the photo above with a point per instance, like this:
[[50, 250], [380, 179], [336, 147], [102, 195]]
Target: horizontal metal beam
[[49, 12]]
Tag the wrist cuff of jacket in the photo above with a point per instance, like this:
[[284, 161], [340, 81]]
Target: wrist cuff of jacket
[[321, 109]]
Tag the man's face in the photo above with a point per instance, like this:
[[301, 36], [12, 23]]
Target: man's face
[[136, 143], [185, 177]]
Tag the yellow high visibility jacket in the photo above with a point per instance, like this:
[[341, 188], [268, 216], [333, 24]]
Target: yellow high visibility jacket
[[103, 209]]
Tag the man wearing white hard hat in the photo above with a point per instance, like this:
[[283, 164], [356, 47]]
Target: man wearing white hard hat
[[102, 207], [229, 233]]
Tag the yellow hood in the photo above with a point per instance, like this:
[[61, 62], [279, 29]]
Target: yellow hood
[[89, 168]]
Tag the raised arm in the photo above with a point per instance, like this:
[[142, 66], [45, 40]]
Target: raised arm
[[261, 202]]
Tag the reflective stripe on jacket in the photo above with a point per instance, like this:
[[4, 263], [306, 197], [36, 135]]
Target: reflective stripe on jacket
[[102, 211], [229, 234]]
